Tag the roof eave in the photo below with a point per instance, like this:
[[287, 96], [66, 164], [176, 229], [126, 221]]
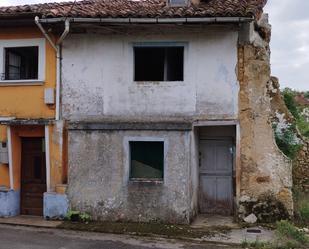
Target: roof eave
[[149, 20]]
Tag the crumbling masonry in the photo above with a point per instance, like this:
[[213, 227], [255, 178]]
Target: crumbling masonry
[[266, 173]]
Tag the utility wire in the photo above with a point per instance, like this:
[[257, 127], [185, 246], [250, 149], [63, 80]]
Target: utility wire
[[70, 10]]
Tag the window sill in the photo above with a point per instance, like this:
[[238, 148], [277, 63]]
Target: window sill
[[158, 82], [21, 82], [140, 181]]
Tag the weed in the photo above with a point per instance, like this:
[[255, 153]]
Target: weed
[[304, 211], [286, 230], [288, 96], [258, 245], [75, 216], [287, 141]]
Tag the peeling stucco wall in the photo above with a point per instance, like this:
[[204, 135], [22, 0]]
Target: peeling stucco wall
[[102, 83], [265, 171], [99, 177]]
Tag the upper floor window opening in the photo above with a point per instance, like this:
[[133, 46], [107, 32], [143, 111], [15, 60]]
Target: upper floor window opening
[[21, 63], [159, 63]]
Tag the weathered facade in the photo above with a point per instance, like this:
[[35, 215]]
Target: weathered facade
[[168, 113]]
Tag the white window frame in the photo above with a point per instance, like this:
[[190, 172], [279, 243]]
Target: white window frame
[[14, 43], [127, 155]]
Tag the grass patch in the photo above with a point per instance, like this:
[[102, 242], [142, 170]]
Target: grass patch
[[304, 211], [301, 201], [142, 229], [289, 235], [257, 244]]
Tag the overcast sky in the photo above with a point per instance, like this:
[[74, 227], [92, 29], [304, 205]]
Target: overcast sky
[[290, 39]]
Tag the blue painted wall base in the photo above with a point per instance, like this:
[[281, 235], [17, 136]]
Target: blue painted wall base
[[9, 203], [56, 206]]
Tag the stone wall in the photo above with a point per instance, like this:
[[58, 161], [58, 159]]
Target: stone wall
[[266, 174], [301, 168]]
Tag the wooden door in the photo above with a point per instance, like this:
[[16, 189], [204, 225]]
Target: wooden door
[[216, 177], [33, 176]]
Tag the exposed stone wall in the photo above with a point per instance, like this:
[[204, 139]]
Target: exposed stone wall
[[301, 161], [301, 168], [265, 172]]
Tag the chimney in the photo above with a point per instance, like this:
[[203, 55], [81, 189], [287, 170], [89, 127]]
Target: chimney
[[195, 2]]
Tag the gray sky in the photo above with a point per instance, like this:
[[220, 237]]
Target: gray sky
[[290, 39]]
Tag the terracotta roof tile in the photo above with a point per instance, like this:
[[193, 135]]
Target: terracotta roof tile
[[137, 8]]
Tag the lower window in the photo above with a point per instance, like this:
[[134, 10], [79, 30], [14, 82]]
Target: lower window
[[147, 160]]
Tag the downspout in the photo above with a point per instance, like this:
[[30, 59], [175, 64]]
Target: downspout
[[58, 83], [57, 47]]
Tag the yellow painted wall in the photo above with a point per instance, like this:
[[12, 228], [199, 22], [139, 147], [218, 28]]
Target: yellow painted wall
[[57, 155], [28, 101]]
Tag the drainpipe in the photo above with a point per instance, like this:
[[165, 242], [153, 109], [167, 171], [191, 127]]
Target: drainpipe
[[57, 48]]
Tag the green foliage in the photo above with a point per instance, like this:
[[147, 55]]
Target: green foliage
[[77, 216], [304, 211], [257, 245], [303, 126], [289, 99], [287, 231], [286, 141], [84, 217], [288, 96]]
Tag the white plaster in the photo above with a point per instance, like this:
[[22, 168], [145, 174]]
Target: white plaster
[[98, 77]]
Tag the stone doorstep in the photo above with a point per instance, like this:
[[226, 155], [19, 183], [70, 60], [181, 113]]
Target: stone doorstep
[[32, 221], [238, 236]]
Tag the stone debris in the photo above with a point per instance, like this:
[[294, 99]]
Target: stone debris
[[251, 219]]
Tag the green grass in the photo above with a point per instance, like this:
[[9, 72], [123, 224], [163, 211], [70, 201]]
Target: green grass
[[303, 126], [258, 245], [291, 235], [301, 207]]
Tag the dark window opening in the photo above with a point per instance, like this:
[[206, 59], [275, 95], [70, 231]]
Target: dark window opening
[[158, 63], [147, 160], [21, 63]]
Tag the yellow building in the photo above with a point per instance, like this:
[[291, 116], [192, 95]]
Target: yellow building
[[33, 169]]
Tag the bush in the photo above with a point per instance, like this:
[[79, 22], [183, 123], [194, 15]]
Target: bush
[[77, 216], [288, 96], [286, 141], [303, 126]]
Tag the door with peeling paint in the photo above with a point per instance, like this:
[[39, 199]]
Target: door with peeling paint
[[216, 177]]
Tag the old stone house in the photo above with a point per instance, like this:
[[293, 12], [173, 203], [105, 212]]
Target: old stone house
[[166, 107]]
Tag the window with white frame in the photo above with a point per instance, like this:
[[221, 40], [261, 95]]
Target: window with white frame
[[22, 60]]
